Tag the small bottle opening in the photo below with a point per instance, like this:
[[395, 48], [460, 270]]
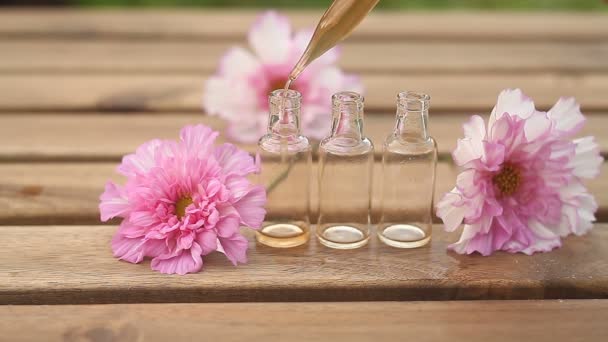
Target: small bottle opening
[[413, 101], [286, 99]]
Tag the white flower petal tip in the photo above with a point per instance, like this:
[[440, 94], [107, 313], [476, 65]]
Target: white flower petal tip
[[567, 116]]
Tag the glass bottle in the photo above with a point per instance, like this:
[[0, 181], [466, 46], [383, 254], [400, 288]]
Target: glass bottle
[[409, 160], [346, 160], [285, 172]]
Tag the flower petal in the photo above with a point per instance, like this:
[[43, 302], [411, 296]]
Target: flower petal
[[234, 160], [185, 261], [251, 207], [238, 63], [587, 161], [270, 37], [128, 249], [113, 203], [537, 126], [514, 102], [142, 160], [567, 116], [475, 128], [234, 247], [207, 240], [451, 210]]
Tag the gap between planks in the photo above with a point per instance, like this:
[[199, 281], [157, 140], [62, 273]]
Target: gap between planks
[[74, 265], [580, 320], [26, 137], [217, 24], [91, 56], [153, 92]]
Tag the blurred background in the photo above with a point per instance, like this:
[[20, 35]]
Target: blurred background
[[574, 5]]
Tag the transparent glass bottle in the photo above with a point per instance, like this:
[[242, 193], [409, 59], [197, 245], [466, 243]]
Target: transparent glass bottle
[[346, 160], [285, 172], [409, 160]]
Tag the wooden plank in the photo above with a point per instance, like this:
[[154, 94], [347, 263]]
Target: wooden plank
[[473, 321], [74, 265], [169, 92], [217, 24], [68, 56], [108, 136], [68, 193]]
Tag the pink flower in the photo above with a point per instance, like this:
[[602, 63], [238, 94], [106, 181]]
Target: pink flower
[[239, 91], [521, 188], [183, 200]]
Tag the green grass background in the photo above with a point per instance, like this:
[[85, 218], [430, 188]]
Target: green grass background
[[558, 5]]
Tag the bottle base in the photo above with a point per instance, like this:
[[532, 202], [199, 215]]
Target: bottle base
[[282, 235], [404, 236], [343, 237]]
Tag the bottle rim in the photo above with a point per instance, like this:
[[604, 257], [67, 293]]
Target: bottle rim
[[279, 97], [413, 100]]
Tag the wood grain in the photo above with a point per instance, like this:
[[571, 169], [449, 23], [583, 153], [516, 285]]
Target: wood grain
[[73, 265], [180, 92], [99, 56], [478, 321], [108, 136], [217, 24], [68, 193]]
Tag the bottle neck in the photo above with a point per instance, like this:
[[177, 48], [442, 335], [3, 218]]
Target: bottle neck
[[284, 118], [347, 115], [412, 117]]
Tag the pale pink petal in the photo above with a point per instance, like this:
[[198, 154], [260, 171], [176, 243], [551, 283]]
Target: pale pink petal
[[475, 128], [142, 160], [270, 37], [113, 202], [239, 186], [128, 249], [493, 156], [587, 161], [545, 241], [451, 210], [185, 261], [234, 160], [207, 240], [513, 102], [537, 126], [198, 138], [238, 62], [251, 207], [234, 247], [228, 226], [467, 150], [567, 116], [154, 248]]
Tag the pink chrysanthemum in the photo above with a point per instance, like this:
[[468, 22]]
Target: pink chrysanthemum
[[521, 188], [239, 91], [183, 200]]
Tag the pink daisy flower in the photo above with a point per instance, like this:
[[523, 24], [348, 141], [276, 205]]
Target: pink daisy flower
[[239, 91], [521, 188], [183, 200]]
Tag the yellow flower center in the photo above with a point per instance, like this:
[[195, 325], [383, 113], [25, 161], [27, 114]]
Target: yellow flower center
[[181, 205], [507, 180]]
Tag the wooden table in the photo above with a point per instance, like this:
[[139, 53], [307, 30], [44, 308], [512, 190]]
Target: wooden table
[[79, 89]]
